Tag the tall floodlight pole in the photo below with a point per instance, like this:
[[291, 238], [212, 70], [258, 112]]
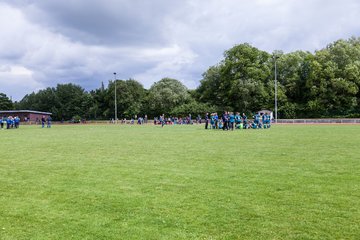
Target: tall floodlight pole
[[115, 99], [275, 90]]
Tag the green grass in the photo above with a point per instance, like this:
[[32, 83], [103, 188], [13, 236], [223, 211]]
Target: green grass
[[180, 182]]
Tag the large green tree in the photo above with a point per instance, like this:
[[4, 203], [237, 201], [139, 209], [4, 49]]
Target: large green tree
[[333, 82], [72, 100], [240, 81], [165, 95], [209, 90], [5, 102], [100, 108], [43, 100], [130, 96], [64, 102]]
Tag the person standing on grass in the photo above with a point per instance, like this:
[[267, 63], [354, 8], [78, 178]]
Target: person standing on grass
[[245, 122], [8, 122], [206, 120], [257, 119], [48, 121], [263, 118], [231, 121], [220, 124], [216, 120], [237, 120], [162, 120], [268, 120], [2, 123], [212, 121], [17, 121], [225, 119], [43, 121]]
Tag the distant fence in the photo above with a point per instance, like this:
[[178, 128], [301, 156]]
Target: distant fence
[[280, 121], [321, 121]]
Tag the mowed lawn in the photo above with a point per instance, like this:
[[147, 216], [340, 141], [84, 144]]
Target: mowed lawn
[[180, 182]]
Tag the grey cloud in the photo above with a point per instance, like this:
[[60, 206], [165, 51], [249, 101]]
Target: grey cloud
[[96, 22]]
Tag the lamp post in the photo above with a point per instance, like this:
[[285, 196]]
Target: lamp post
[[275, 90], [115, 99]]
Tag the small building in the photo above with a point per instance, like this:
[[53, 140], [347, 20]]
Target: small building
[[29, 115], [262, 112]]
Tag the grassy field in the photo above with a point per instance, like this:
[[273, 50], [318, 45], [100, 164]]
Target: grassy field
[[180, 182]]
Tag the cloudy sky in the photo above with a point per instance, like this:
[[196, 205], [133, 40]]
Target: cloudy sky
[[43, 43]]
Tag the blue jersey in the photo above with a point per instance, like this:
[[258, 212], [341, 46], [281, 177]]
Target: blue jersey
[[232, 118], [257, 118], [268, 119], [212, 120], [244, 117]]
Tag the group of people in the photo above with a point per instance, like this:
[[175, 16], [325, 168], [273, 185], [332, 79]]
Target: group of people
[[231, 121], [136, 119], [162, 120], [227, 121], [10, 122], [46, 121]]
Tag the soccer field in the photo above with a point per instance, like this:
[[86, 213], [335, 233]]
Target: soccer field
[[180, 182]]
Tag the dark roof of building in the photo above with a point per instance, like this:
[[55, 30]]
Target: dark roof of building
[[25, 111]]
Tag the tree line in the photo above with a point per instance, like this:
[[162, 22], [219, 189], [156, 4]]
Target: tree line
[[320, 84]]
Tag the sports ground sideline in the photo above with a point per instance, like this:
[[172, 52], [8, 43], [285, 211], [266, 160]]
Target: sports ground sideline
[[180, 182], [305, 121]]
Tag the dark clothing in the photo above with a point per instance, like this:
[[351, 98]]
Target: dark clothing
[[42, 122], [206, 121], [17, 122], [225, 119], [48, 120]]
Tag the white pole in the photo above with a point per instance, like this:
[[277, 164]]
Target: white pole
[[115, 100], [275, 91]]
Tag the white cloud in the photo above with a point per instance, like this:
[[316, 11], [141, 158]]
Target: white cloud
[[171, 62], [18, 81]]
